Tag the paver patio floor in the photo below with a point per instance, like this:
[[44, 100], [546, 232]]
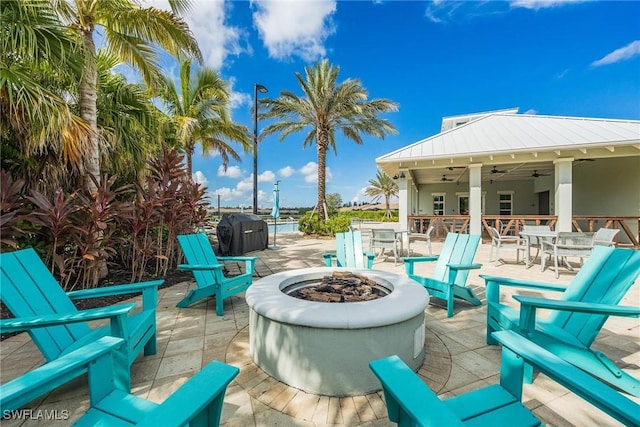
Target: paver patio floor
[[458, 360]]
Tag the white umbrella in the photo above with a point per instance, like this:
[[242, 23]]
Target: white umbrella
[[275, 211]]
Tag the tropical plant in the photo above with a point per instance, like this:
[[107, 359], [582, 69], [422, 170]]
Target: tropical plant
[[334, 203], [132, 33], [199, 112], [11, 207], [382, 186], [38, 130], [326, 108]]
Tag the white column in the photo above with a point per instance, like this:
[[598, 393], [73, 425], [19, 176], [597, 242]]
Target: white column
[[403, 201], [475, 199], [564, 193]]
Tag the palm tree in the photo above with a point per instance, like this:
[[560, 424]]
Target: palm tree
[[132, 33], [326, 108], [200, 114], [36, 121], [381, 186]]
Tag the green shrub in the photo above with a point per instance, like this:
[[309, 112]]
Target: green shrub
[[310, 224]]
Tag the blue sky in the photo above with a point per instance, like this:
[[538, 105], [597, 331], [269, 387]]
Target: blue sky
[[440, 58]]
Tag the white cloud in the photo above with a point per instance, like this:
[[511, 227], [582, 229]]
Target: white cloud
[[286, 171], [225, 193], [199, 178], [245, 184], [360, 196], [531, 112], [231, 172], [207, 21], [238, 99], [267, 176], [310, 172], [542, 4], [298, 28], [622, 54]]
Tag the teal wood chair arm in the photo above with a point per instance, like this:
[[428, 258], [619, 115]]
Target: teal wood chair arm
[[22, 390], [114, 290], [118, 312], [251, 259], [194, 399], [189, 267], [493, 283], [409, 262], [464, 266], [528, 306], [584, 385], [579, 306], [504, 281]]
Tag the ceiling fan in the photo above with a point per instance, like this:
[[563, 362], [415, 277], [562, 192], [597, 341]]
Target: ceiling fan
[[535, 174], [495, 170], [455, 167], [444, 178]]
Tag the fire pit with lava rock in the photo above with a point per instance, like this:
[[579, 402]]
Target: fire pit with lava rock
[[341, 286], [324, 348]]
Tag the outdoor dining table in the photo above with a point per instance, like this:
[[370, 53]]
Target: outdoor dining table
[[539, 236]]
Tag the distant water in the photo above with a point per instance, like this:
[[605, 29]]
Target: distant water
[[284, 227]]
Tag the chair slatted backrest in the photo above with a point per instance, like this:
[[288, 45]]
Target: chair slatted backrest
[[198, 251], [349, 249], [605, 236], [457, 249], [605, 278], [28, 288]]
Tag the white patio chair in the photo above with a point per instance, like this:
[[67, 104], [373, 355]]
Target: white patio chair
[[566, 245], [383, 239], [605, 236], [498, 241], [421, 237]]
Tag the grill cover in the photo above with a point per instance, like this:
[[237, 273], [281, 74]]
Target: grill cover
[[241, 233]]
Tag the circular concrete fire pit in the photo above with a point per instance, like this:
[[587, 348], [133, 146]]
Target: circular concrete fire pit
[[324, 348]]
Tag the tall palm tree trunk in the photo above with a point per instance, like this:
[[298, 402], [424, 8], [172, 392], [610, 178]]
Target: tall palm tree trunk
[[387, 206], [322, 166], [87, 92]]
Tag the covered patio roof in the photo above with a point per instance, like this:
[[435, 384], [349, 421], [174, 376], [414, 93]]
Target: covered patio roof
[[512, 147]]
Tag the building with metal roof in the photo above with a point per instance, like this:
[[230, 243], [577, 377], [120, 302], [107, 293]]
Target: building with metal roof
[[501, 162]]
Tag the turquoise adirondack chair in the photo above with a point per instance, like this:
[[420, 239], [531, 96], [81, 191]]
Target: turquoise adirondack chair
[[208, 274], [35, 298], [450, 276], [410, 403], [198, 402], [349, 252], [577, 316]]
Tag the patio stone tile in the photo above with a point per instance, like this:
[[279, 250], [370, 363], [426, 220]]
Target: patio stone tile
[[283, 398], [321, 413], [163, 387], [144, 369], [349, 411], [302, 406], [477, 364], [237, 410], [471, 338], [364, 409], [180, 364], [268, 396], [183, 345], [335, 411], [459, 378], [377, 404]]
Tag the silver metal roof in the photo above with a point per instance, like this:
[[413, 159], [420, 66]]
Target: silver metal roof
[[517, 139]]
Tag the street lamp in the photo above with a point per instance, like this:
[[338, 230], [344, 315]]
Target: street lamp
[[256, 87]]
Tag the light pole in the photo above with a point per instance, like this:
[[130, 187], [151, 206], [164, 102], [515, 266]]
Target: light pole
[[256, 87]]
